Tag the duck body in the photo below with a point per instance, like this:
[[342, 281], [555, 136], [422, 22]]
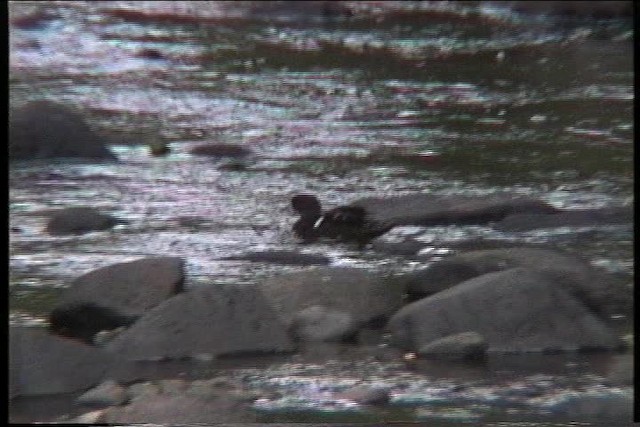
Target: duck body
[[344, 223]]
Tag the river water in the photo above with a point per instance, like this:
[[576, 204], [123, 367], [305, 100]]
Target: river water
[[341, 99]]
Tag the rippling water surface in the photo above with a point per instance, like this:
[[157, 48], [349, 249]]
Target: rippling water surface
[[367, 98]]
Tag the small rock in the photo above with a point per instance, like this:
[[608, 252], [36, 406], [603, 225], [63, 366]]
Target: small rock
[[109, 393], [365, 395], [462, 346]]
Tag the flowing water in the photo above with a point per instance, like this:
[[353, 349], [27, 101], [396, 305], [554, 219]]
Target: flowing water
[[340, 99]]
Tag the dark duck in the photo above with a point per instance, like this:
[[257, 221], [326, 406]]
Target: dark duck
[[344, 223]]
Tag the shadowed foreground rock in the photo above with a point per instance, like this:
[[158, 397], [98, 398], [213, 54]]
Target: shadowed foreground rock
[[215, 320], [40, 363], [45, 130], [365, 297], [130, 288], [516, 310], [79, 220]]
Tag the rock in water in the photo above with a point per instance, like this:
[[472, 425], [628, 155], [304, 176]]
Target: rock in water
[[45, 130], [79, 220]]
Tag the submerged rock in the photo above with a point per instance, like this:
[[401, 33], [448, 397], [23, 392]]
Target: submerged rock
[[219, 320], [130, 288], [516, 310], [45, 130], [282, 257], [79, 220], [41, 364]]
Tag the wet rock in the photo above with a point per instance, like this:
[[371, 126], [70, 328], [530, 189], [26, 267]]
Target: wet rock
[[367, 297], [426, 209], [79, 220], [84, 320], [40, 363], [108, 393], [45, 130], [130, 288], [282, 257], [180, 409], [599, 291], [219, 320], [221, 150], [318, 323], [516, 310], [576, 218], [365, 395], [462, 346]]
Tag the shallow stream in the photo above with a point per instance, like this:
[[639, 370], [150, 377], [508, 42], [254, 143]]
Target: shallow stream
[[343, 101]]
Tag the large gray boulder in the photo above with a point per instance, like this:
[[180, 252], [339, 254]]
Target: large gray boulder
[[366, 297], [79, 220], [40, 363], [214, 320], [601, 292], [131, 288], [45, 130], [516, 310]]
